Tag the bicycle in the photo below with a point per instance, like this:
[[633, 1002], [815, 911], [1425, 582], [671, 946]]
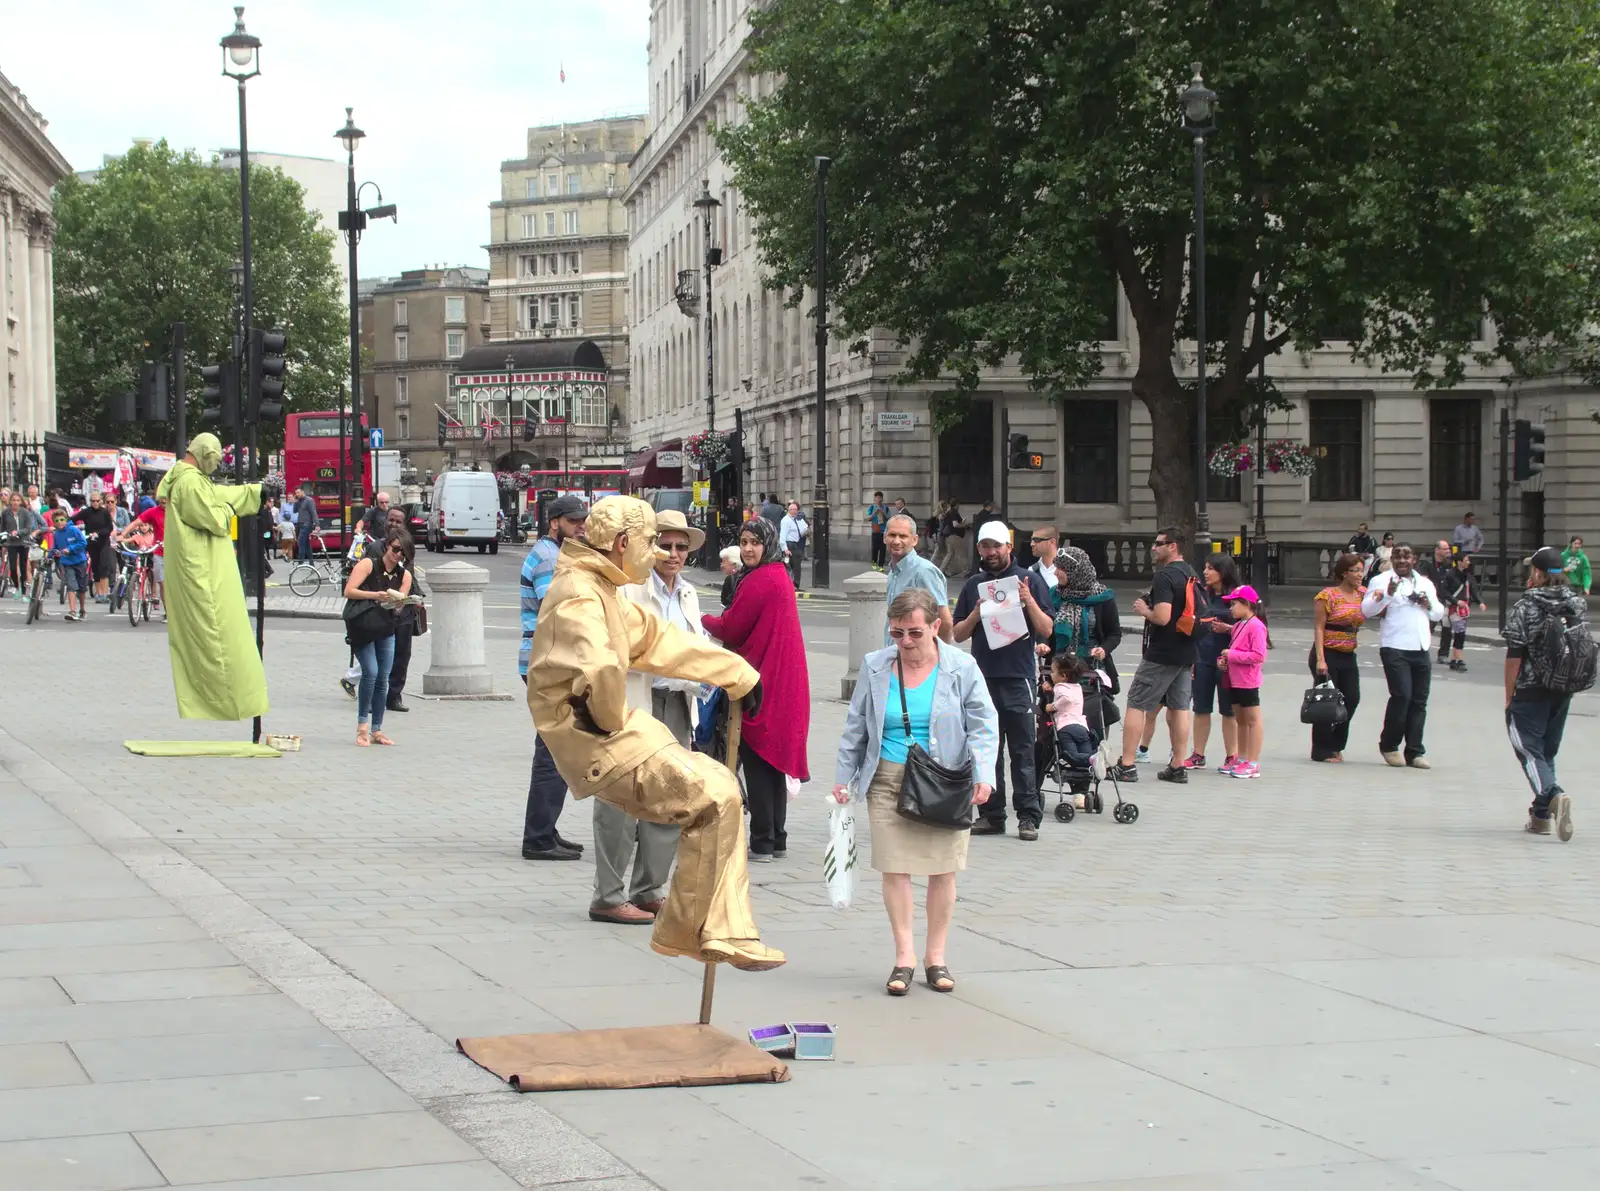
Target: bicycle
[[9, 542], [37, 586], [307, 577], [135, 584]]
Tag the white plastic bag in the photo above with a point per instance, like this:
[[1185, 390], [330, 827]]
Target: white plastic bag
[[839, 861]]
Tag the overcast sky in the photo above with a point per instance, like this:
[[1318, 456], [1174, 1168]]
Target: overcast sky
[[444, 92]]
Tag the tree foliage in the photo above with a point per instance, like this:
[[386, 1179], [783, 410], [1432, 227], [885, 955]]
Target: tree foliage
[[152, 242], [1385, 171]]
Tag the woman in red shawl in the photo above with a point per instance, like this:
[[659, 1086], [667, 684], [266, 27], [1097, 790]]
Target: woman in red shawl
[[762, 626]]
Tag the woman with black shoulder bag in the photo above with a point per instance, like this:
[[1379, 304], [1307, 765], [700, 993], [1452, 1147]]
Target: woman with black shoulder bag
[[374, 594]]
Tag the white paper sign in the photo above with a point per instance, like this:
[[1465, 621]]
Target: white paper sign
[[1000, 610]]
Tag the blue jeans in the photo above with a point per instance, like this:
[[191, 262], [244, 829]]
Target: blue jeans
[[302, 538], [375, 657]]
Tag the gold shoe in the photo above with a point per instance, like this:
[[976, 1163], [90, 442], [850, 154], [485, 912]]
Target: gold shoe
[[748, 955], [677, 952]]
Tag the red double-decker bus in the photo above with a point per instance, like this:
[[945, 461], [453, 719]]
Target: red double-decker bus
[[311, 461]]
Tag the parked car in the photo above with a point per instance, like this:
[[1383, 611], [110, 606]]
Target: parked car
[[465, 512], [416, 519]]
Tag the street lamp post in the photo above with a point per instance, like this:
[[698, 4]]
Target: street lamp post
[[1259, 563], [819, 498], [707, 205], [511, 364], [1198, 102]]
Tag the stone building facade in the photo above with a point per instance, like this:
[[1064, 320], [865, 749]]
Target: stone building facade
[[1399, 459], [416, 328], [558, 240], [29, 167]]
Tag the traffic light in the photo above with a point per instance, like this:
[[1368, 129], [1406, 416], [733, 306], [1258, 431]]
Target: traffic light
[[266, 390], [153, 396], [220, 397], [1527, 456], [1019, 458]]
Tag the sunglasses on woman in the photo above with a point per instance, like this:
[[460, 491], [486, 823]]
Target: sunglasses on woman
[[914, 634]]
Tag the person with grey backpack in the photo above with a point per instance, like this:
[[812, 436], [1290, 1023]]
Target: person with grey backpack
[[1550, 656]]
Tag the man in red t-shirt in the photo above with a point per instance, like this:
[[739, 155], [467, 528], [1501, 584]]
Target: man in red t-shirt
[[147, 526]]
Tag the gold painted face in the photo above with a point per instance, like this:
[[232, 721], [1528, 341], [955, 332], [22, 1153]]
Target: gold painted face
[[634, 521]]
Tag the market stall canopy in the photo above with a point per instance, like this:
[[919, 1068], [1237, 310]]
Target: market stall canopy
[[660, 466], [105, 458]]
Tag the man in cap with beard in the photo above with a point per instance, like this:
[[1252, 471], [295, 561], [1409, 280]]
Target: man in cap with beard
[[588, 638]]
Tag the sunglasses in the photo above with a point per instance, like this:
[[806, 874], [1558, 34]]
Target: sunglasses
[[1161, 542], [914, 634], [1047, 538], [675, 547]]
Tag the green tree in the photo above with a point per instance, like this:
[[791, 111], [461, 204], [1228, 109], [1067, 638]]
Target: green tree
[[1395, 171], [152, 242]]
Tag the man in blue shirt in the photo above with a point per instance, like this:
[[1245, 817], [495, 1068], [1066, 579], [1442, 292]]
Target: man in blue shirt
[[1012, 674], [877, 518], [69, 545], [547, 792], [908, 569]]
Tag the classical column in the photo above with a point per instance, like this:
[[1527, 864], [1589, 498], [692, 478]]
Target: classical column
[[41, 333], [50, 322], [22, 307]]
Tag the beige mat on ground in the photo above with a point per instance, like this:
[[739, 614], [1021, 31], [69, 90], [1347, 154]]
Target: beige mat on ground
[[199, 748], [686, 1056]]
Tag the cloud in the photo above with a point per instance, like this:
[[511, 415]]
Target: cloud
[[443, 92]]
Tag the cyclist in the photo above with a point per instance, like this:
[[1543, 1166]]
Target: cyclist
[[150, 527], [18, 523], [69, 545]]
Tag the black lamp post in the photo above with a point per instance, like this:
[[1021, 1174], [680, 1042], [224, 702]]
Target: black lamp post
[[707, 205], [1198, 103], [352, 222], [819, 498], [1260, 564], [511, 364]]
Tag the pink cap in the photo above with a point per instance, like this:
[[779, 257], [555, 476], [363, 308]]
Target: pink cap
[[1243, 592]]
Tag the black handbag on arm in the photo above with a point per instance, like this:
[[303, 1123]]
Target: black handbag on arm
[[1323, 706], [931, 793]]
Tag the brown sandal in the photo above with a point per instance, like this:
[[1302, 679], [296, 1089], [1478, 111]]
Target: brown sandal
[[379, 738], [363, 739], [901, 977], [939, 978]]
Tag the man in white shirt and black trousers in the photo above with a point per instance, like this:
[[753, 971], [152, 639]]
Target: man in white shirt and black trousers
[[1410, 607]]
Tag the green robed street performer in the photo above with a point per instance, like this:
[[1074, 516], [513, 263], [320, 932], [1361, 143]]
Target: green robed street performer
[[215, 666], [587, 640]]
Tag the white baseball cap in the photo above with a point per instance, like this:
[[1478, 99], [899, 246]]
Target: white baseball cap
[[995, 531]]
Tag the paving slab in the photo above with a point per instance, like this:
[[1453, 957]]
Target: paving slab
[[142, 1019], [454, 1176], [31, 992], [272, 1149], [163, 985], [104, 1162], [180, 1056], [1564, 1166], [117, 958], [39, 1065]]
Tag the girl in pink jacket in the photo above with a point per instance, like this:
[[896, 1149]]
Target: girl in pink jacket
[[1242, 659]]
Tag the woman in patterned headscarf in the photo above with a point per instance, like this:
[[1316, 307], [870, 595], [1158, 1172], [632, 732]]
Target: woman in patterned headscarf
[[1087, 623]]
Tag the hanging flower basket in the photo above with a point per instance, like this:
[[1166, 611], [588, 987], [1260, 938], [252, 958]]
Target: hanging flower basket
[[1231, 459], [707, 449], [513, 481], [1292, 458]]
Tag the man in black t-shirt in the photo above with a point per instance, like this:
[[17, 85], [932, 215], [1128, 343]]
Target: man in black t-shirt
[[1164, 675], [1012, 676]]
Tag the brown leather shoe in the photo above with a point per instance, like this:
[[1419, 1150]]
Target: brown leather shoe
[[653, 907], [627, 914]]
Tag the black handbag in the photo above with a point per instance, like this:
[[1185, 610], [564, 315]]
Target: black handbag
[[366, 620], [1323, 706], [930, 793]]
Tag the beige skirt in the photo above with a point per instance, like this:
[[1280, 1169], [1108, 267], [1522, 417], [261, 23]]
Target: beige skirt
[[901, 846]]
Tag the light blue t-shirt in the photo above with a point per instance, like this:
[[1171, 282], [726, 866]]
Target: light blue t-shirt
[[919, 705]]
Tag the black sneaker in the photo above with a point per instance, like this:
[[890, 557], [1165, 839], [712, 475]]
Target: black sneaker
[[989, 827], [1124, 773], [349, 687], [563, 842], [395, 705], [1173, 773], [556, 853], [780, 854], [1028, 831]]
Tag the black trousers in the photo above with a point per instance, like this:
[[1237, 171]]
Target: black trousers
[[1535, 722], [1019, 728], [17, 564], [547, 794], [402, 663], [768, 796], [1346, 678], [879, 554], [1410, 674], [797, 555]]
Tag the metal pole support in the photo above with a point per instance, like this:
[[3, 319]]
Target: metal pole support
[[708, 980]]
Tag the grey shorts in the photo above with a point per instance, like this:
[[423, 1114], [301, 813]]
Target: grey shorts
[[158, 568], [1155, 685]]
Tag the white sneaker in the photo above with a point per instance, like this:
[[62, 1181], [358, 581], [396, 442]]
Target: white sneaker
[[1099, 765], [1142, 757]]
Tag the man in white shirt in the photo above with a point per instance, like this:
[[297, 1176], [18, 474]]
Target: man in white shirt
[[1467, 538], [618, 837], [1409, 606], [1045, 542], [792, 531]]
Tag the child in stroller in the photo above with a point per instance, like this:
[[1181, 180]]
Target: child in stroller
[[1081, 709]]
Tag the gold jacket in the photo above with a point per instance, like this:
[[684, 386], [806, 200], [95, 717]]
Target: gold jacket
[[587, 640]]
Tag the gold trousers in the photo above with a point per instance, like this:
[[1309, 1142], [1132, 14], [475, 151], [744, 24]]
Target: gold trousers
[[709, 898]]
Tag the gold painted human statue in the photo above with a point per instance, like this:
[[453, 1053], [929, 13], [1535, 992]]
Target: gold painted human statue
[[587, 640]]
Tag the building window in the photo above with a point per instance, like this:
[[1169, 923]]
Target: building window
[[1221, 489], [569, 222], [549, 223], [530, 315], [589, 406], [574, 262], [487, 310], [1455, 448], [400, 318], [573, 185], [552, 309], [455, 344], [552, 183], [527, 266], [1089, 452], [455, 310], [403, 425], [574, 310], [552, 264], [402, 390], [402, 346], [533, 188], [1336, 440], [530, 226]]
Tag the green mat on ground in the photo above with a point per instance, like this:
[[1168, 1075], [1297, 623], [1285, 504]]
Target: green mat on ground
[[199, 748]]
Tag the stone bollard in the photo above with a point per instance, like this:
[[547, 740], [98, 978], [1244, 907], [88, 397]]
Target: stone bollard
[[868, 594], [455, 622]]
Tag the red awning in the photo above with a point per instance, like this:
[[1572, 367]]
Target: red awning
[[658, 466]]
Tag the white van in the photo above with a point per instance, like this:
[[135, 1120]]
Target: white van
[[465, 512]]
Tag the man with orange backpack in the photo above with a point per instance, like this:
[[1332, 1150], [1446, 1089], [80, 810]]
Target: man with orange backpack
[[1165, 673]]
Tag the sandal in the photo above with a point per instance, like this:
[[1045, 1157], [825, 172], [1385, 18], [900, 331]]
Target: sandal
[[900, 977], [939, 978], [379, 738], [363, 739]]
